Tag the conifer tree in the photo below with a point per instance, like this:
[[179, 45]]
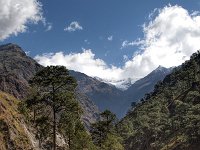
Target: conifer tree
[[55, 95]]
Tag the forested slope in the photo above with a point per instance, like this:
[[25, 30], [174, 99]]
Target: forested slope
[[169, 117]]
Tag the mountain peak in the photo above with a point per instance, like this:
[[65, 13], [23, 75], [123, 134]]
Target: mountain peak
[[12, 48], [160, 68]]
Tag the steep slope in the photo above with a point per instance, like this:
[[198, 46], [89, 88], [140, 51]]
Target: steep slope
[[106, 96], [90, 110], [169, 117], [16, 68], [12, 128], [145, 85], [103, 95]]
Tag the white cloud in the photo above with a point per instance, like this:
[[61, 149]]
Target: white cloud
[[170, 37], [74, 26], [110, 38], [127, 43], [125, 58], [15, 15], [83, 62], [49, 27]]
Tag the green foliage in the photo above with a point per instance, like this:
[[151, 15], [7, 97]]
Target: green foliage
[[112, 142], [169, 117], [104, 132], [82, 140], [51, 108]]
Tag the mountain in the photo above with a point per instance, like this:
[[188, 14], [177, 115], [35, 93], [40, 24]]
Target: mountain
[[145, 85], [169, 117], [16, 68], [105, 96], [123, 84]]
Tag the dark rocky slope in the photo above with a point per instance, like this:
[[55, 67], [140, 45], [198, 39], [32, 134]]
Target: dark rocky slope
[[16, 68], [105, 96]]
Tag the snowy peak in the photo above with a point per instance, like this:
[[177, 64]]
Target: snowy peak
[[122, 85]]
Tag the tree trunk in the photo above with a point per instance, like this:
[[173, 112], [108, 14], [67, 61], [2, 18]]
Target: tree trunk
[[54, 120], [40, 143], [54, 129], [34, 114], [69, 141]]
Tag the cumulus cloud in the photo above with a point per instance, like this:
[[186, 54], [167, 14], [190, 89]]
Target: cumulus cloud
[[74, 26], [83, 62], [170, 37], [15, 15], [110, 38]]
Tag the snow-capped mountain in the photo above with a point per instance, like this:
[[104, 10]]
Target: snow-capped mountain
[[120, 84], [106, 96]]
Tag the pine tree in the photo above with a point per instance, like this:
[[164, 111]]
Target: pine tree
[[104, 132], [55, 93]]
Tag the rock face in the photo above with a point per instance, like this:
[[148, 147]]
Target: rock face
[[91, 111], [16, 68]]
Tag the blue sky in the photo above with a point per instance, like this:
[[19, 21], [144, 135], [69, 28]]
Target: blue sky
[[99, 19], [118, 20]]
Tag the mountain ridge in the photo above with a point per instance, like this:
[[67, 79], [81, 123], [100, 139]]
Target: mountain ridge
[[16, 69], [101, 94], [168, 117]]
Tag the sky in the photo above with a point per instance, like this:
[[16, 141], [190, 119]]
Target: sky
[[114, 40]]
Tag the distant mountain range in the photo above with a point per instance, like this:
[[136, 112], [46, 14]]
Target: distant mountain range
[[104, 95], [16, 68], [145, 85]]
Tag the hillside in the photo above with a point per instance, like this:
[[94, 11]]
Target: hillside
[[145, 85], [16, 69], [167, 118], [13, 133], [105, 96]]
